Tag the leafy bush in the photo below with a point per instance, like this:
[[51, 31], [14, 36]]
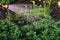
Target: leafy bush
[[11, 16], [48, 29], [6, 1], [8, 31], [43, 29]]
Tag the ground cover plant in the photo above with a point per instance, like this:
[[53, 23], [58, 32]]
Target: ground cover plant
[[6, 1], [48, 30], [8, 30], [33, 24]]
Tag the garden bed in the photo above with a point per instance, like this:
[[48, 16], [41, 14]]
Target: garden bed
[[34, 24]]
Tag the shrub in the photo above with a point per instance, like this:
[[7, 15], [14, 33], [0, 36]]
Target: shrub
[[6, 1], [8, 31], [43, 29], [48, 29]]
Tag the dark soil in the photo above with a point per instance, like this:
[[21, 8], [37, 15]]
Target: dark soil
[[40, 3], [23, 2], [3, 13], [2, 16], [55, 11], [20, 24]]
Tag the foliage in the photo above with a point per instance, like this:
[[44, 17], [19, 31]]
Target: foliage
[[11, 16], [6, 1], [43, 29], [9, 1], [8, 30], [48, 28]]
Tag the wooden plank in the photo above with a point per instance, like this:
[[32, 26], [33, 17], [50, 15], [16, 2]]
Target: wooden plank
[[18, 7]]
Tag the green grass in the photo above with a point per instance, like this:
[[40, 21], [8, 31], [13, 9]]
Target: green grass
[[36, 11]]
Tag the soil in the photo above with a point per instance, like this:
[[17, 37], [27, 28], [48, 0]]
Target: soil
[[3, 13], [55, 11], [39, 3]]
